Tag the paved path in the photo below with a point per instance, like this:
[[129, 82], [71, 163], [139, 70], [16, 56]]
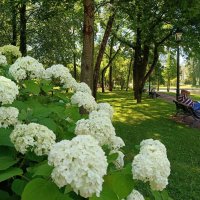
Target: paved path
[[166, 97]]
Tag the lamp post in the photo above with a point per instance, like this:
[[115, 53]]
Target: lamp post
[[178, 36], [159, 75]]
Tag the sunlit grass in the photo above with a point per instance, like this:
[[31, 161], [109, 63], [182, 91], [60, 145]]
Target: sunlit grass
[[153, 119]]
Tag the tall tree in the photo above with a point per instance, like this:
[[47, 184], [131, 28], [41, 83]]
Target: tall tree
[[169, 72], [23, 21], [14, 7], [88, 43], [101, 50], [145, 30]]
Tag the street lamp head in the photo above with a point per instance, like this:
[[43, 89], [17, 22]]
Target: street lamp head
[[178, 35]]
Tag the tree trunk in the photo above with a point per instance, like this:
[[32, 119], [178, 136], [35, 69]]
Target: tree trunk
[[23, 20], [110, 78], [110, 81], [109, 65], [122, 82], [88, 43], [140, 66], [168, 84], [129, 72], [14, 23], [74, 58], [194, 77], [101, 52], [137, 67], [102, 79]]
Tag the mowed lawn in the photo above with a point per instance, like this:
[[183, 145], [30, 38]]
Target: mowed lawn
[[153, 119]]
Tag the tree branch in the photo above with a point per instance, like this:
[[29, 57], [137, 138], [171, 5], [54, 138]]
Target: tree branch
[[123, 41]]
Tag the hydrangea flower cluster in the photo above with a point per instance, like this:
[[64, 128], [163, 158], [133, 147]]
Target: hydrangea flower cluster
[[10, 49], [8, 90], [101, 113], [84, 99], [81, 163], [8, 116], [62, 73], [135, 195], [107, 108], [26, 67], [3, 60], [116, 143], [83, 87], [34, 137], [101, 128], [152, 164]]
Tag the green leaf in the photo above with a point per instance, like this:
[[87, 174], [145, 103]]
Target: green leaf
[[19, 104], [4, 195], [33, 157], [5, 137], [59, 110], [47, 87], [7, 151], [157, 195], [48, 122], [41, 189], [42, 169], [121, 183], [18, 186], [62, 96], [9, 173], [32, 87], [6, 162], [106, 194], [23, 115], [117, 185], [165, 195]]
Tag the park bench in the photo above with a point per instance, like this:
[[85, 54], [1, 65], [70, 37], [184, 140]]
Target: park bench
[[186, 110], [153, 94]]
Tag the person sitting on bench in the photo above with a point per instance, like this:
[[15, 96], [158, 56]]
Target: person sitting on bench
[[183, 98]]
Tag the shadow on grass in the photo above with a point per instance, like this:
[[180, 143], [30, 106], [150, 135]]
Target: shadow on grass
[[152, 119]]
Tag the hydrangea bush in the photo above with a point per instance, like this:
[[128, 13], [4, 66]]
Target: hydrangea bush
[[11, 53], [49, 151]]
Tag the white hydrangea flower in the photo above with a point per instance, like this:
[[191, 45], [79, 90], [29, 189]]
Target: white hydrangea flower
[[83, 87], [100, 113], [100, 128], [34, 137], [107, 108], [61, 72], [3, 60], [152, 145], [152, 164], [10, 49], [135, 195], [70, 82], [116, 143], [84, 99], [81, 163], [119, 162], [26, 67], [8, 90], [8, 116]]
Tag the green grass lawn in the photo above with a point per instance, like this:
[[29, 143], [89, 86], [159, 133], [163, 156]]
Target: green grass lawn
[[152, 119]]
